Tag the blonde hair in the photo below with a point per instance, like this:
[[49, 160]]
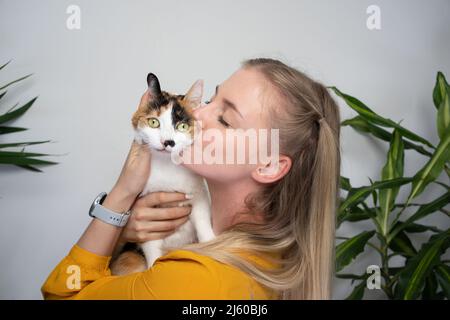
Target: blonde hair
[[300, 209]]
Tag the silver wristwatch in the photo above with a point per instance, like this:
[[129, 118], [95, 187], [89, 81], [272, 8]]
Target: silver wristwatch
[[100, 212]]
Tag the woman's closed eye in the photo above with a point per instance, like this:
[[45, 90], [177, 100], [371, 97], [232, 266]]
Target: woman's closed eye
[[223, 122], [220, 117]]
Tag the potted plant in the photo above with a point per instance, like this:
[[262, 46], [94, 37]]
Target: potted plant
[[425, 274], [26, 160]]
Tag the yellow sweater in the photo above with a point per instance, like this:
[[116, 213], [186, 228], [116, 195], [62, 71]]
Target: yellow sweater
[[180, 274]]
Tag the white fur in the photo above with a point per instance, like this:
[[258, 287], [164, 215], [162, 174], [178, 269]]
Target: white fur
[[166, 176]]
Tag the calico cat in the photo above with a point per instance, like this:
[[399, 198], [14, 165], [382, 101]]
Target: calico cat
[[165, 124]]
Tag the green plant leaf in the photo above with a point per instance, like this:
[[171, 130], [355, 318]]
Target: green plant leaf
[[417, 228], [345, 183], [443, 277], [358, 291], [30, 168], [401, 244], [1, 95], [351, 248], [357, 195], [440, 89], [391, 170], [361, 125], [422, 212], [443, 116], [430, 291], [354, 214], [15, 81], [412, 277], [17, 113], [5, 65], [432, 168], [20, 144], [6, 130], [350, 276], [23, 161], [371, 116], [21, 154]]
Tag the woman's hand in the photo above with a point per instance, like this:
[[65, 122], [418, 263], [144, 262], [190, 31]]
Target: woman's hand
[[135, 171], [155, 216], [132, 179]]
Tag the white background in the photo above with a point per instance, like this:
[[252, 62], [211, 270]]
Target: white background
[[89, 82]]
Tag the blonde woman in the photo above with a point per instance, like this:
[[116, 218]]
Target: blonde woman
[[275, 231]]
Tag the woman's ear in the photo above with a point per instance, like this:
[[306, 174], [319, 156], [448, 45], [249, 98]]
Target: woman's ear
[[273, 171]]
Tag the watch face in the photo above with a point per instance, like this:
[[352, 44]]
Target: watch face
[[97, 201]]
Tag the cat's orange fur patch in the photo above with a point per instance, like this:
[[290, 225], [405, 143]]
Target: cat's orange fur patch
[[128, 262]]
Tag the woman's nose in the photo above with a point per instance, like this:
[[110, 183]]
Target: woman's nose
[[198, 112]]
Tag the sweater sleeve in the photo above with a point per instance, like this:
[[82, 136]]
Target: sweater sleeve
[[177, 275]]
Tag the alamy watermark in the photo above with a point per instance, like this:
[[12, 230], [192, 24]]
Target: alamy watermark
[[232, 146]]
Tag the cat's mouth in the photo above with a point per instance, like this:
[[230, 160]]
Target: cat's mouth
[[165, 150]]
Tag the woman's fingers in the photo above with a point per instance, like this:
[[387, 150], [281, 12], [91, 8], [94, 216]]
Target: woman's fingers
[[160, 226], [158, 198], [144, 230], [152, 214], [150, 220]]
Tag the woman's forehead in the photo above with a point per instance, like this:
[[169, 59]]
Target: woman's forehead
[[247, 89]]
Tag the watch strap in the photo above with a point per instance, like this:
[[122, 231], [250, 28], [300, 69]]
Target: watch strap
[[106, 215]]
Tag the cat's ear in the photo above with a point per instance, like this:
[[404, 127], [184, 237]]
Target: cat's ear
[[195, 93], [153, 85]]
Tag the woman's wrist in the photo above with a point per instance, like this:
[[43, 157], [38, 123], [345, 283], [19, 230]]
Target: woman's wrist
[[119, 200]]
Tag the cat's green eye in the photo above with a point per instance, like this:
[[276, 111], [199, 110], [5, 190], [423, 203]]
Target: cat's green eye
[[153, 123], [183, 127]]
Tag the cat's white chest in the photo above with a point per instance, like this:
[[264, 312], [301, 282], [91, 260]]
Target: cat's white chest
[[166, 176], [169, 177]]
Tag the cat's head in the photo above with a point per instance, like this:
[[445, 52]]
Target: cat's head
[[165, 122]]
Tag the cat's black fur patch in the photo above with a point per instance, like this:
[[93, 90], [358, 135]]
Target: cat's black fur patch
[[158, 101], [179, 114]]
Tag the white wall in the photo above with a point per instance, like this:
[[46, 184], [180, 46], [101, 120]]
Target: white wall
[[89, 82]]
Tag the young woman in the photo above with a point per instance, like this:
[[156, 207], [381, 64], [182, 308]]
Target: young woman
[[275, 231]]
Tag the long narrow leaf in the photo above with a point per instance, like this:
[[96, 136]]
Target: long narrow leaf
[[412, 277], [392, 169], [351, 248], [401, 244], [432, 168], [430, 291], [357, 195], [345, 183], [363, 126], [30, 168], [5, 65], [418, 228], [6, 130], [353, 214], [15, 81], [443, 277], [371, 116], [21, 154], [18, 112], [440, 89], [423, 211], [443, 116], [358, 291], [20, 144], [23, 161]]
